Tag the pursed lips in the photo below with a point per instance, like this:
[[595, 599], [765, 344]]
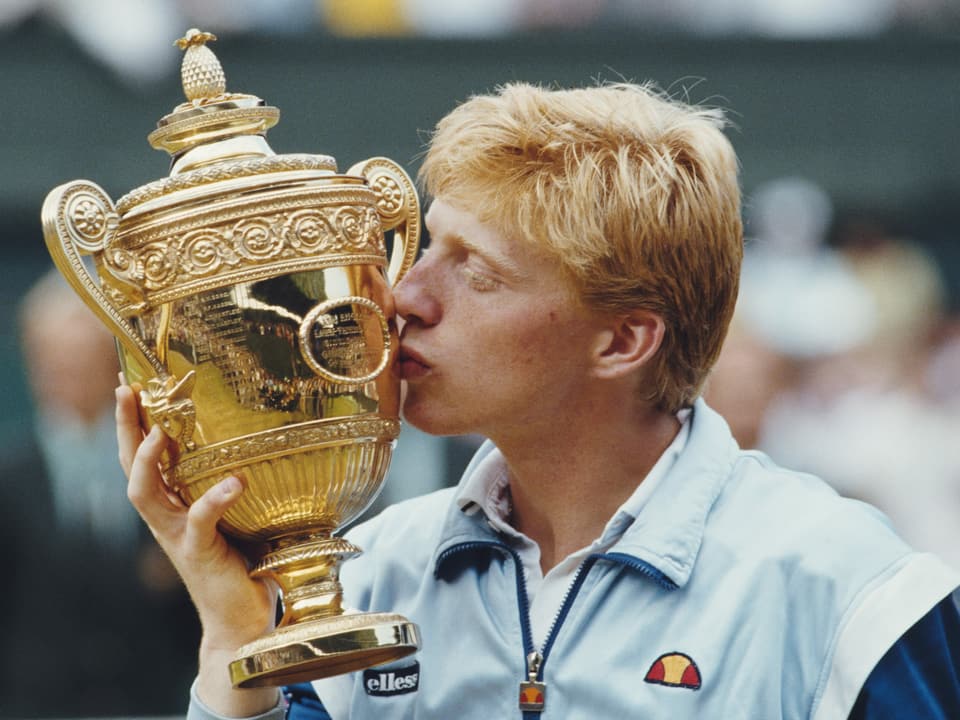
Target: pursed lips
[[411, 364]]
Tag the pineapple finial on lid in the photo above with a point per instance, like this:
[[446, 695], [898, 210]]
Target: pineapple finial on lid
[[210, 113], [200, 72]]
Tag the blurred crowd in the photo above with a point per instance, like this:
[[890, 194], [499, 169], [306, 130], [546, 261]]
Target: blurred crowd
[[141, 51], [844, 361], [93, 617]]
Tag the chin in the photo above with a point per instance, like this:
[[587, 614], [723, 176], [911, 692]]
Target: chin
[[419, 415]]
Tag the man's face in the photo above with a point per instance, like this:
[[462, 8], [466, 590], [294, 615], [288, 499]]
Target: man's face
[[494, 341]]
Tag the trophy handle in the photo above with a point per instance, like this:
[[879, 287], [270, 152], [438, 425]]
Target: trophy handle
[[399, 208], [79, 218]]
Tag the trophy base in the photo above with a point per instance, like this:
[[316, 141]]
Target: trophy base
[[324, 647]]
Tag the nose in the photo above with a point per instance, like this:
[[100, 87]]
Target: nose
[[416, 301]]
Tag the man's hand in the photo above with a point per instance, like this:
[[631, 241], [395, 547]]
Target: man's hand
[[233, 608]]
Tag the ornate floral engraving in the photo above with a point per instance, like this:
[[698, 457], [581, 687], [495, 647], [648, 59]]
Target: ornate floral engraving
[[300, 234], [89, 219], [255, 239], [390, 196], [398, 207], [203, 252], [157, 264], [309, 230]]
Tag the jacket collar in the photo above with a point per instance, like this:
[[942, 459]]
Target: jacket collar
[[669, 529]]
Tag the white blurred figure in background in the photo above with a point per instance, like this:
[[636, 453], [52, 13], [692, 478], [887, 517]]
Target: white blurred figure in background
[[868, 421], [800, 304], [72, 369], [463, 18], [803, 297], [827, 365], [133, 38]]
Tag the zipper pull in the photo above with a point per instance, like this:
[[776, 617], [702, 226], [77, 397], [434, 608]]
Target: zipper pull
[[533, 694]]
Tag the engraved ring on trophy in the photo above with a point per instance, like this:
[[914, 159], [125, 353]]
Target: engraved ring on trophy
[[341, 336], [249, 293]]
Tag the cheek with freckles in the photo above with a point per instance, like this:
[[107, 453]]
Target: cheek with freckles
[[536, 342]]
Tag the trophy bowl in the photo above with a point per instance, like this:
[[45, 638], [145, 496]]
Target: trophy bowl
[[250, 296]]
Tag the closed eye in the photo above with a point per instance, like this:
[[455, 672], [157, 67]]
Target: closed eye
[[479, 281]]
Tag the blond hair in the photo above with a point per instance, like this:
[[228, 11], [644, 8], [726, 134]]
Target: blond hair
[[635, 194]]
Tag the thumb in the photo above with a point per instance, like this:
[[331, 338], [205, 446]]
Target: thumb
[[206, 511]]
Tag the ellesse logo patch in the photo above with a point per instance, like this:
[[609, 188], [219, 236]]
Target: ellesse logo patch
[[382, 682], [675, 670]]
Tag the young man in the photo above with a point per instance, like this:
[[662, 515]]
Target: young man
[[610, 549]]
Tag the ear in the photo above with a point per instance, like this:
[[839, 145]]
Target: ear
[[627, 343]]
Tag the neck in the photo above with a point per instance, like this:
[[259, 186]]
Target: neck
[[568, 483]]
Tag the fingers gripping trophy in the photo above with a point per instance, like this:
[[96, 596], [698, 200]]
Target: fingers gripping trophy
[[250, 296]]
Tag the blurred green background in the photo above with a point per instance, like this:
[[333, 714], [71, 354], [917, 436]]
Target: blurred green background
[[872, 120]]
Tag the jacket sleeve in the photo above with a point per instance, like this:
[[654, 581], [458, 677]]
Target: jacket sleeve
[[919, 676], [198, 711], [303, 703]]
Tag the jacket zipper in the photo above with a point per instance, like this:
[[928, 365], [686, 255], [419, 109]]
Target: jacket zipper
[[535, 660]]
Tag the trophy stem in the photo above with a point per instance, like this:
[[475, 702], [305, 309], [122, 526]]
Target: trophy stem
[[307, 569], [315, 638]]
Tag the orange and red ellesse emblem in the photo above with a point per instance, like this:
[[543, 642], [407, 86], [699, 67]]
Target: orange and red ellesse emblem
[[531, 696], [674, 670]]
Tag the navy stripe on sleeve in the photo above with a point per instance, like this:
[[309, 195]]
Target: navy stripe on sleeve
[[919, 677]]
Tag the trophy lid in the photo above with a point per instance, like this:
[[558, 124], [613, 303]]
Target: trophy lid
[[231, 212], [210, 112], [215, 135]]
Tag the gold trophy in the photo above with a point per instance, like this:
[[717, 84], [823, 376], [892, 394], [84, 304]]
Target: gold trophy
[[250, 296]]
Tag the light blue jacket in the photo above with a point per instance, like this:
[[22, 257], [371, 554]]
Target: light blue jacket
[[742, 591]]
